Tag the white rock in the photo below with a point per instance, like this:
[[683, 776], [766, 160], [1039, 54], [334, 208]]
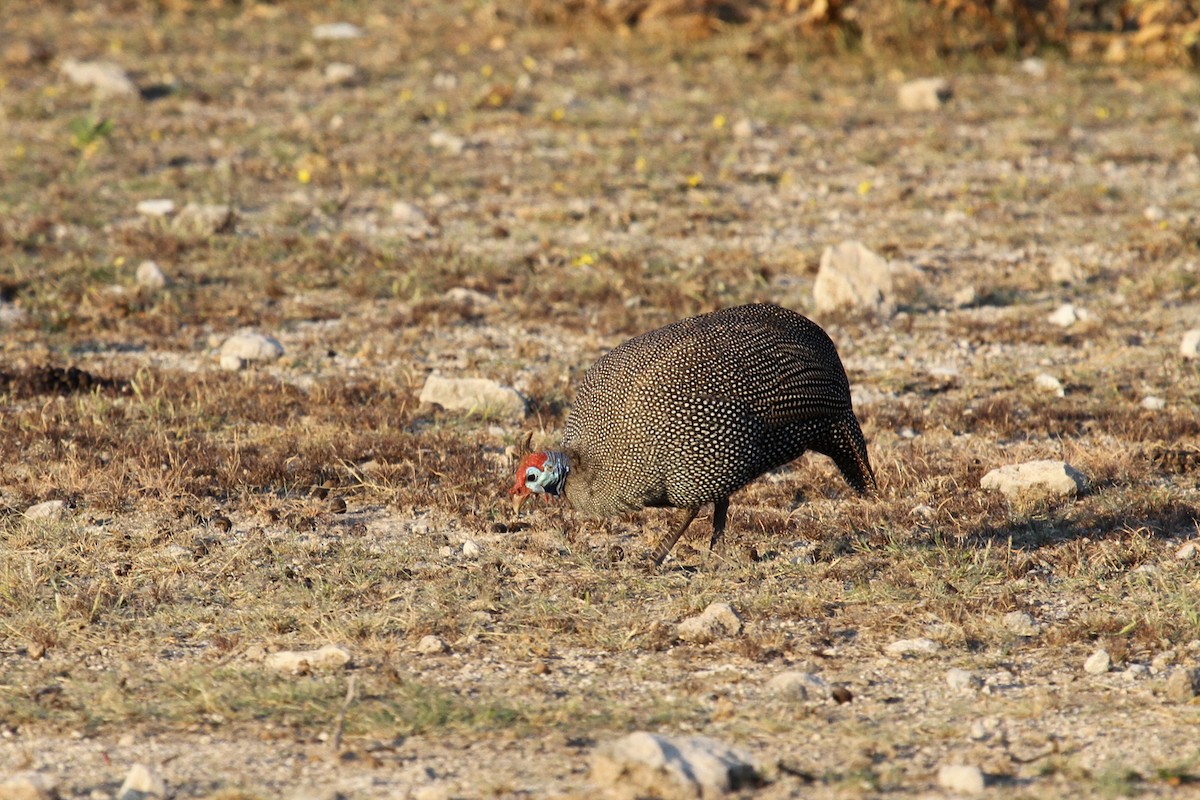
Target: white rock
[[470, 297], [1153, 403], [1065, 271], [51, 509], [28, 786], [646, 764], [851, 276], [923, 511], [243, 349], [150, 276], [1136, 672], [924, 94], [965, 297], [470, 549], [1097, 663], [1153, 213], [796, 685], [717, 621], [961, 778], [473, 395], [338, 73], [1049, 384], [1034, 67], [11, 315], [743, 128], [331, 656], [431, 645], [920, 646], [1056, 478], [337, 30], [408, 214], [142, 783], [960, 679], [1183, 684], [1020, 623], [108, 79], [1186, 552], [157, 207], [203, 219], [1189, 346]]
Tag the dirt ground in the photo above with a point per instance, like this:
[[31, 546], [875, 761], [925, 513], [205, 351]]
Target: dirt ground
[[462, 191]]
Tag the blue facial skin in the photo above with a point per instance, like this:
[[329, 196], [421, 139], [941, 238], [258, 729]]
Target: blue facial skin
[[551, 478]]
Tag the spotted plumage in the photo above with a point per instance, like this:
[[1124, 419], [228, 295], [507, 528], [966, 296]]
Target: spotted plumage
[[688, 414]]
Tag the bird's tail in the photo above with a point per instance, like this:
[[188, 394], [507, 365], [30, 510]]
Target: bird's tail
[[848, 449]]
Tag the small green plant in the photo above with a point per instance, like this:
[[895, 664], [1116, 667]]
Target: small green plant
[[88, 134]]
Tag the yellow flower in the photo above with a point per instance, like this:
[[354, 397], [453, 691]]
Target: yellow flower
[[719, 121], [1102, 112], [584, 260], [463, 49], [119, 261], [303, 175], [529, 63], [558, 114], [406, 95], [640, 164], [864, 188], [440, 108], [486, 70], [695, 179]]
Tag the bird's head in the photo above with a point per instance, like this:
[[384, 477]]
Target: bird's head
[[539, 473]]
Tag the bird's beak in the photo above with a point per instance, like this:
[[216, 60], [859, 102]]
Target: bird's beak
[[518, 500]]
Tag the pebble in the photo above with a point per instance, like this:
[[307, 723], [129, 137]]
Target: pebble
[[961, 778], [796, 685], [337, 30], [1097, 663], [1034, 67], [476, 300], [1055, 478], [157, 207], [470, 549], [960, 679], [1186, 552], [647, 764], [150, 276], [243, 349], [1050, 384], [331, 656], [1020, 623], [1065, 272], [853, 277], [49, 510], [338, 73], [1065, 316], [1136, 672], [11, 315], [431, 645], [108, 79], [473, 395], [1183, 684], [965, 297], [28, 786], [1189, 346], [923, 511], [142, 783], [203, 219], [718, 621], [920, 646], [924, 94], [1153, 403], [454, 145]]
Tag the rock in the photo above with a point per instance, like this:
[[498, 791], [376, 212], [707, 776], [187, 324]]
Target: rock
[[960, 679], [1066, 315], [1186, 552], [796, 685], [150, 276], [337, 30], [142, 783], [1034, 67], [331, 656], [11, 315], [340, 74], [28, 786], [470, 297], [473, 395], [673, 768], [158, 207], [470, 549], [1020, 623], [1055, 478], [924, 94], [454, 145], [108, 79], [961, 778], [717, 621], [965, 297], [851, 276], [432, 645], [921, 646], [243, 349], [1097, 663], [1066, 272], [1189, 346], [411, 220], [1049, 384], [200, 219], [49, 510], [1183, 684], [1153, 403]]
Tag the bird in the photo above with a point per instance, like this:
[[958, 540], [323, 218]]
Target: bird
[[687, 414]]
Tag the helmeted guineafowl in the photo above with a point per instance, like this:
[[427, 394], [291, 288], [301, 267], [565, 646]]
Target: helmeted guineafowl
[[688, 414]]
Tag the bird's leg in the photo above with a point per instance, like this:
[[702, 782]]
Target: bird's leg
[[666, 544], [720, 514]]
